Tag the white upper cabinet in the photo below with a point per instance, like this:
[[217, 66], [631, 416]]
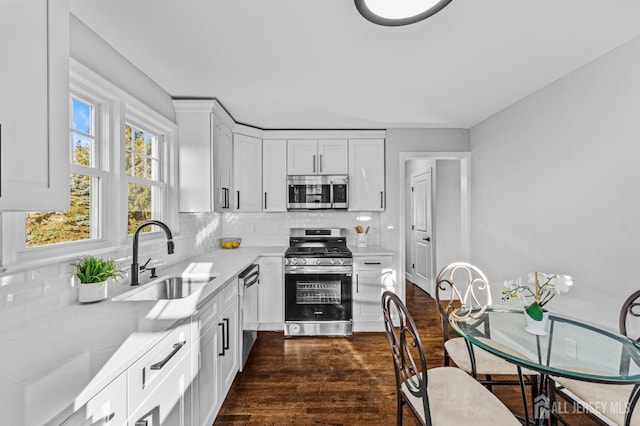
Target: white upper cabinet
[[222, 143], [322, 157], [274, 175], [247, 173], [34, 105], [366, 175], [194, 121], [333, 157]]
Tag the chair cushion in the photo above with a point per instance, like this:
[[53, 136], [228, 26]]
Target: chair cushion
[[610, 400], [486, 362], [455, 398]]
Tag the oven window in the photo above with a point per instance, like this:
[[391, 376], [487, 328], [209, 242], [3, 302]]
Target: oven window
[[318, 292]]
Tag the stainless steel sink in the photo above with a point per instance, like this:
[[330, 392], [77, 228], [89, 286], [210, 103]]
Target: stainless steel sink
[[167, 288]]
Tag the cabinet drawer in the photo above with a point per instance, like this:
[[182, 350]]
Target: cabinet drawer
[[207, 315], [229, 294], [373, 262], [107, 408], [147, 372]]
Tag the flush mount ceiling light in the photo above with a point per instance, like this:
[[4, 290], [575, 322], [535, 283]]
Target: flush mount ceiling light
[[399, 12]]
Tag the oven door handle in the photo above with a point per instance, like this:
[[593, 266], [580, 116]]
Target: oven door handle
[[318, 270]]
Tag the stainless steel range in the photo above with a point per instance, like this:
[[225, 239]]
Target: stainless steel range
[[318, 270]]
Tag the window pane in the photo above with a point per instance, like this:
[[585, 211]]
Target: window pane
[[74, 224], [142, 148], [82, 133], [140, 205], [81, 149], [82, 116]]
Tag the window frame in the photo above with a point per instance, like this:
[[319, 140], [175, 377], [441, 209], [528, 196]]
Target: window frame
[[115, 108]]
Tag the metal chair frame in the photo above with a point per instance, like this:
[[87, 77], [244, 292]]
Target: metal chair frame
[[410, 364], [476, 282]]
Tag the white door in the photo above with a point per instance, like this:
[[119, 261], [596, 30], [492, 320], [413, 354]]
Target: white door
[[422, 231]]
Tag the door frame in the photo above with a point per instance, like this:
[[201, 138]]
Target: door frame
[[465, 201]]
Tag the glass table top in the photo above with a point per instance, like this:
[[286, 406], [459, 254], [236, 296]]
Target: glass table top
[[570, 348]]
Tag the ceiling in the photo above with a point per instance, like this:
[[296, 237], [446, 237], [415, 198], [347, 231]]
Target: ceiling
[[317, 64]]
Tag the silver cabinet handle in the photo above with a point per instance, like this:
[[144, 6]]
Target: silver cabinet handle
[[314, 164], [372, 263], [265, 200], [176, 348], [357, 284], [321, 163], [142, 422]]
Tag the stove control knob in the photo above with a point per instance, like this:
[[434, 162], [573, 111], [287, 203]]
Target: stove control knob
[[342, 261], [302, 262], [332, 261], [293, 261], [317, 261]]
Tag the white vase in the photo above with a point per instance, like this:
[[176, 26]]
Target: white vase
[[537, 327], [93, 292]]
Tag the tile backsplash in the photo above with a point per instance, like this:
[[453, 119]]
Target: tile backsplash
[[272, 229], [31, 292]]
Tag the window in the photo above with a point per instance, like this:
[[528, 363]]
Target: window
[[145, 187], [122, 171], [80, 221]]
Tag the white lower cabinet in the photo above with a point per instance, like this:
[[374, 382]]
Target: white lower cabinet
[[217, 348], [159, 383], [271, 293], [107, 408], [371, 277]]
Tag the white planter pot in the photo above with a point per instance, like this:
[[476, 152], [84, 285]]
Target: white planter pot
[[94, 292], [537, 327]]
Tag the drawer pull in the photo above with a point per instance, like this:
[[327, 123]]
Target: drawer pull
[[373, 263], [176, 348], [221, 325]]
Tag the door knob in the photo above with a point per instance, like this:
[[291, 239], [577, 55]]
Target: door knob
[[427, 239]]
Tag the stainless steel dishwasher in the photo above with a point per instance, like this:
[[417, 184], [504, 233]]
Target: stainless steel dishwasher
[[248, 281]]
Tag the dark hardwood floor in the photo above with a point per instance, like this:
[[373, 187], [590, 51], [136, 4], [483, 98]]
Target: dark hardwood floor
[[336, 380]]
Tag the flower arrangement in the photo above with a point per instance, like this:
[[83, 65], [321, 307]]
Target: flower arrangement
[[546, 286]]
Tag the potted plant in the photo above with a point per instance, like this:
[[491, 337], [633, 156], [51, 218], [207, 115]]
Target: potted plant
[[93, 273], [552, 284]]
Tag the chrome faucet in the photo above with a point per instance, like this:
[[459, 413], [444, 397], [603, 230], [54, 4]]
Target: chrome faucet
[[135, 268]]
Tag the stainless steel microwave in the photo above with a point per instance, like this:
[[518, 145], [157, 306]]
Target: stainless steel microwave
[[317, 192]]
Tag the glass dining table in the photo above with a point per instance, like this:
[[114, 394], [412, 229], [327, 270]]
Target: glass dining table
[[566, 348]]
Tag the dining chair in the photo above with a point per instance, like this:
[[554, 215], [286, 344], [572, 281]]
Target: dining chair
[[436, 396], [616, 402], [462, 284]]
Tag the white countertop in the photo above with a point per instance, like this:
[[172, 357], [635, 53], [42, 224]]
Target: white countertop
[[370, 251], [52, 365]]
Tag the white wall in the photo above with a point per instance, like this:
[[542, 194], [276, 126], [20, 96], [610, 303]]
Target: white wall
[[448, 214], [555, 186]]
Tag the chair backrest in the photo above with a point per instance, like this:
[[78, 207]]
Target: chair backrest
[[629, 320], [409, 361], [460, 284]]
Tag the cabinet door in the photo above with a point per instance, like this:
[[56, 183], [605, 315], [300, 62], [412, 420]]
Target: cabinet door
[[371, 277], [302, 156], [207, 401], [274, 175], [247, 173], [333, 157], [228, 355], [366, 175], [271, 294], [196, 155], [34, 105], [222, 141], [168, 403], [107, 408]]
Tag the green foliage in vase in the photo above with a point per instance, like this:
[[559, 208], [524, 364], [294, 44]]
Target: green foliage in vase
[[91, 270]]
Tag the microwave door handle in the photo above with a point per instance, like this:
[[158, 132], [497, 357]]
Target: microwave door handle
[[330, 192]]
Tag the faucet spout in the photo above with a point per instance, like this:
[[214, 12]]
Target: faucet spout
[[135, 267]]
